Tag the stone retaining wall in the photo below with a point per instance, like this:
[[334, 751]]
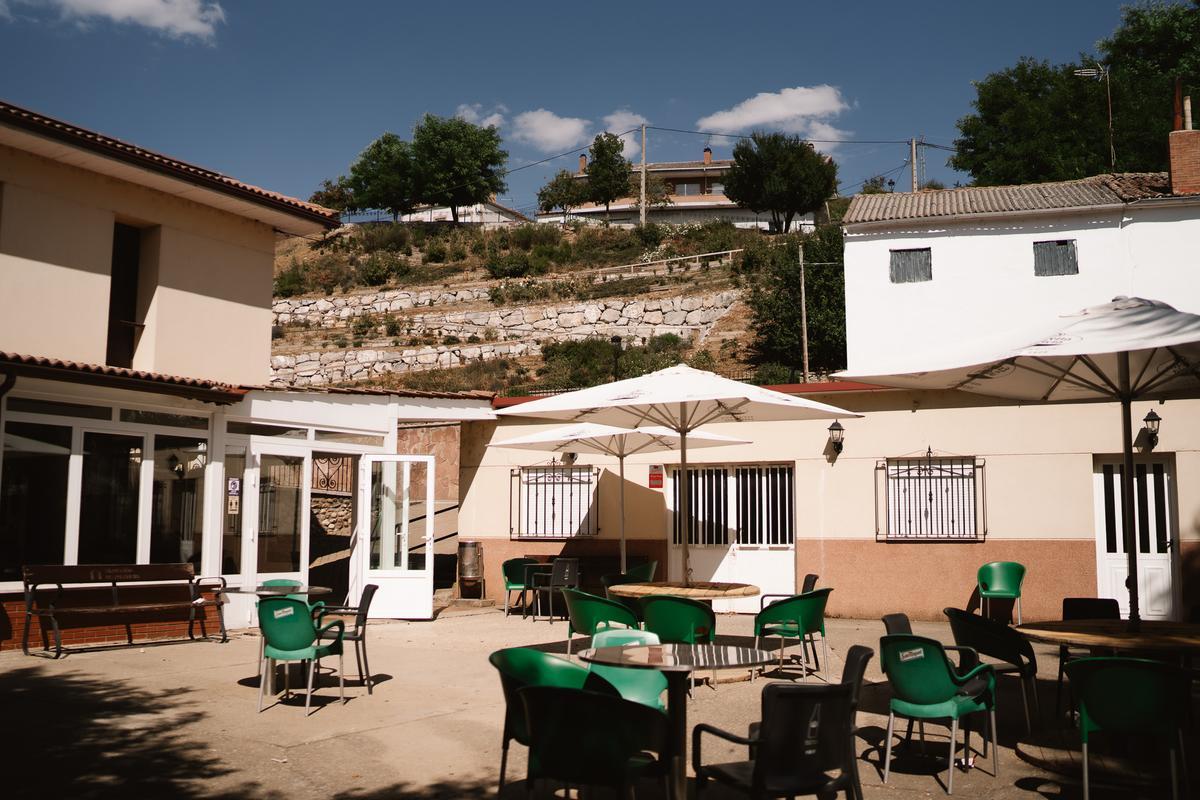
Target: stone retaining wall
[[326, 312]]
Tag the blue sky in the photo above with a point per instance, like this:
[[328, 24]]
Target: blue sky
[[283, 94]]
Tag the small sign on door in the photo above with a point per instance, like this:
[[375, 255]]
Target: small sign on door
[[233, 487], [656, 476], [233, 505]]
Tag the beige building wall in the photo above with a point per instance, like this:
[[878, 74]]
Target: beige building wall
[[1039, 494], [206, 274]]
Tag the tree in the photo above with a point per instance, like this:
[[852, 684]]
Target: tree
[[774, 272], [335, 194], [607, 170], [876, 184], [564, 191], [458, 163], [384, 176], [1040, 122], [658, 193], [781, 175]]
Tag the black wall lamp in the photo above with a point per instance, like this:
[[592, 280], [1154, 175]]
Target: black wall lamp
[[1150, 425], [837, 434]]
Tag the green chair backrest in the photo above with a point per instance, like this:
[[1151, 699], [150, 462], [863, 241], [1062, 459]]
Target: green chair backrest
[[1128, 694], [522, 666], [286, 623], [621, 637], [514, 571], [586, 738], [589, 613], [807, 611], [286, 582], [679, 620], [642, 573], [917, 669], [643, 686], [1001, 577]]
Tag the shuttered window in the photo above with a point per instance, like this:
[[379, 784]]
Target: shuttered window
[[752, 504], [911, 266], [1055, 258]]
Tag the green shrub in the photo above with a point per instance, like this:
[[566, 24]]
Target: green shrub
[[376, 269], [290, 281], [703, 360], [478, 247], [392, 236], [435, 252], [457, 252], [515, 265], [392, 326], [339, 341], [650, 235], [364, 326], [328, 272], [451, 339], [772, 373]]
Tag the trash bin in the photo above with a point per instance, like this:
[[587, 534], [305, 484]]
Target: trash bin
[[470, 569]]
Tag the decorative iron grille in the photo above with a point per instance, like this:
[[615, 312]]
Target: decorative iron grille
[[931, 498], [554, 502], [333, 474]]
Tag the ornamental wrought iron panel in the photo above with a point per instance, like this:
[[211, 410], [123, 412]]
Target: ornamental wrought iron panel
[[333, 474], [930, 498], [553, 502]]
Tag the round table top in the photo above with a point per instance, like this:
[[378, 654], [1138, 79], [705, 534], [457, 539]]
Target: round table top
[[697, 590], [1115, 634], [677, 657], [279, 591]]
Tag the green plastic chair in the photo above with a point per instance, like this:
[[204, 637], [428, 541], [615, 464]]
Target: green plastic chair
[[925, 686], [588, 613], [513, 571], [799, 617], [679, 620], [584, 738], [1131, 695], [645, 686], [522, 666], [642, 573], [1001, 580], [289, 634]]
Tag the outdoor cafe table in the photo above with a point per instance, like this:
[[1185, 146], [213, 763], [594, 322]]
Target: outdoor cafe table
[[676, 662], [1114, 634], [697, 590], [278, 591]]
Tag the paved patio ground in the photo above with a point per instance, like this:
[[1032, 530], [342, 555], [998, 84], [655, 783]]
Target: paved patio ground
[[180, 721]]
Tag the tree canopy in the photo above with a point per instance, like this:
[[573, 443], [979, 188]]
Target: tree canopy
[[457, 163], [562, 192], [608, 171], [335, 194], [658, 193], [1037, 121], [384, 177], [780, 175]]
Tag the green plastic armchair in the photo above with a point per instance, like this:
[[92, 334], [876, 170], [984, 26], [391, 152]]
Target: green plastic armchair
[[588, 613], [1131, 695], [520, 667], [799, 617], [1001, 580], [513, 571], [645, 686], [679, 620], [925, 686], [289, 634]]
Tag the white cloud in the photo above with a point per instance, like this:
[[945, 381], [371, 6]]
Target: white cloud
[[474, 114], [549, 132], [178, 19], [622, 120], [800, 110]]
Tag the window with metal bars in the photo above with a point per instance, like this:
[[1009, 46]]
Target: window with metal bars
[[1055, 258], [750, 504], [553, 502], [931, 498]]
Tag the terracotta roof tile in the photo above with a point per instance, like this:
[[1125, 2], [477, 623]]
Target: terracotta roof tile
[[42, 366], [416, 394]]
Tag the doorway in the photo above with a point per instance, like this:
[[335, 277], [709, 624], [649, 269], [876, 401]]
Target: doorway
[[394, 533]]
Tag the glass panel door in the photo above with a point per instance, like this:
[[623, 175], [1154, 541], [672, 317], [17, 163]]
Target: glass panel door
[[396, 522], [33, 496], [108, 507], [177, 509], [231, 514], [280, 512]]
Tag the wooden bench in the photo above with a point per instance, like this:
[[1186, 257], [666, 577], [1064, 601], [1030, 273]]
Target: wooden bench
[[76, 591]]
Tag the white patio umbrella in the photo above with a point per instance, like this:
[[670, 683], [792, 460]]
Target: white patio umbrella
[[1126, 350], [616, 442], [680, 399]]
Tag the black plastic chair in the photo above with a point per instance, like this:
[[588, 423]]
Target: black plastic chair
[[563, 574], [996, 640], [810, 583], [806, 733], [1075, 608], [357, 634]]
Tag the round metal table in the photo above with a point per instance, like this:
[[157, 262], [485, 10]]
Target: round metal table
[[1114, 634], [676, 662], [697, 590]]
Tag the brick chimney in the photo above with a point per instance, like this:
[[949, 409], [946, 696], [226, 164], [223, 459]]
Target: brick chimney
[[582, 163], [707, 155], [1184, 147]]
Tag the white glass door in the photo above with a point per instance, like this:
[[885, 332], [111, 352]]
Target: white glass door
[[394, 534]]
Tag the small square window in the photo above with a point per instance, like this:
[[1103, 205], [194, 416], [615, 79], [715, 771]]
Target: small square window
[[911, 266], [1055, 258]]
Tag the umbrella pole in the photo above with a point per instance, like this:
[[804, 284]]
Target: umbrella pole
[[621, 461], [1127, 516], [683, 498]]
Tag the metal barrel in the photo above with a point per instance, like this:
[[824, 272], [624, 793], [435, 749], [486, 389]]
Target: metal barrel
[[470, 561]]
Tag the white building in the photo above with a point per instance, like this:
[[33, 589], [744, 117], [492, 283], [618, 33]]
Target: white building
[[928, 266], [490, 215]]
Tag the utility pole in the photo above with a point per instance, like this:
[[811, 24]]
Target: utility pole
[[642, 204], [803, 314], [912, 162]]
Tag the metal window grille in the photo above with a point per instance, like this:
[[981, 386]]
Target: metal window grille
[[1151, 508], [911, 266], [333, 474], [930, 499], [1055, 258], [554, 502], [751, 504]]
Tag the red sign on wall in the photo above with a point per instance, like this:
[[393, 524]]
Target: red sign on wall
[[656, 476]]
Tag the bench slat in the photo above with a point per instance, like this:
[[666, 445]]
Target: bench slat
[[107, 573], [115, 609]]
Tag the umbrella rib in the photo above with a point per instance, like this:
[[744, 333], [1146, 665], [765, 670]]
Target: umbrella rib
[[1060, 376], [1059, 379], [1099, 373], [1137, 381], [1167, 372]]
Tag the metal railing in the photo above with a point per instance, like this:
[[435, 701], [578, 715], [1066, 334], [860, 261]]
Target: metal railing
[[553, 502], [930, 498]]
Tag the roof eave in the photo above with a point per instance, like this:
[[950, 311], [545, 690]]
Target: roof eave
[[988, 215]]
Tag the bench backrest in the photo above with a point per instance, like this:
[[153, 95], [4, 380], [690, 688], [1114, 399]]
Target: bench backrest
[[106, 573]]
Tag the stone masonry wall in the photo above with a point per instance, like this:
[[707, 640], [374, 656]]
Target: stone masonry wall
[[519, 331], [326, 312]]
